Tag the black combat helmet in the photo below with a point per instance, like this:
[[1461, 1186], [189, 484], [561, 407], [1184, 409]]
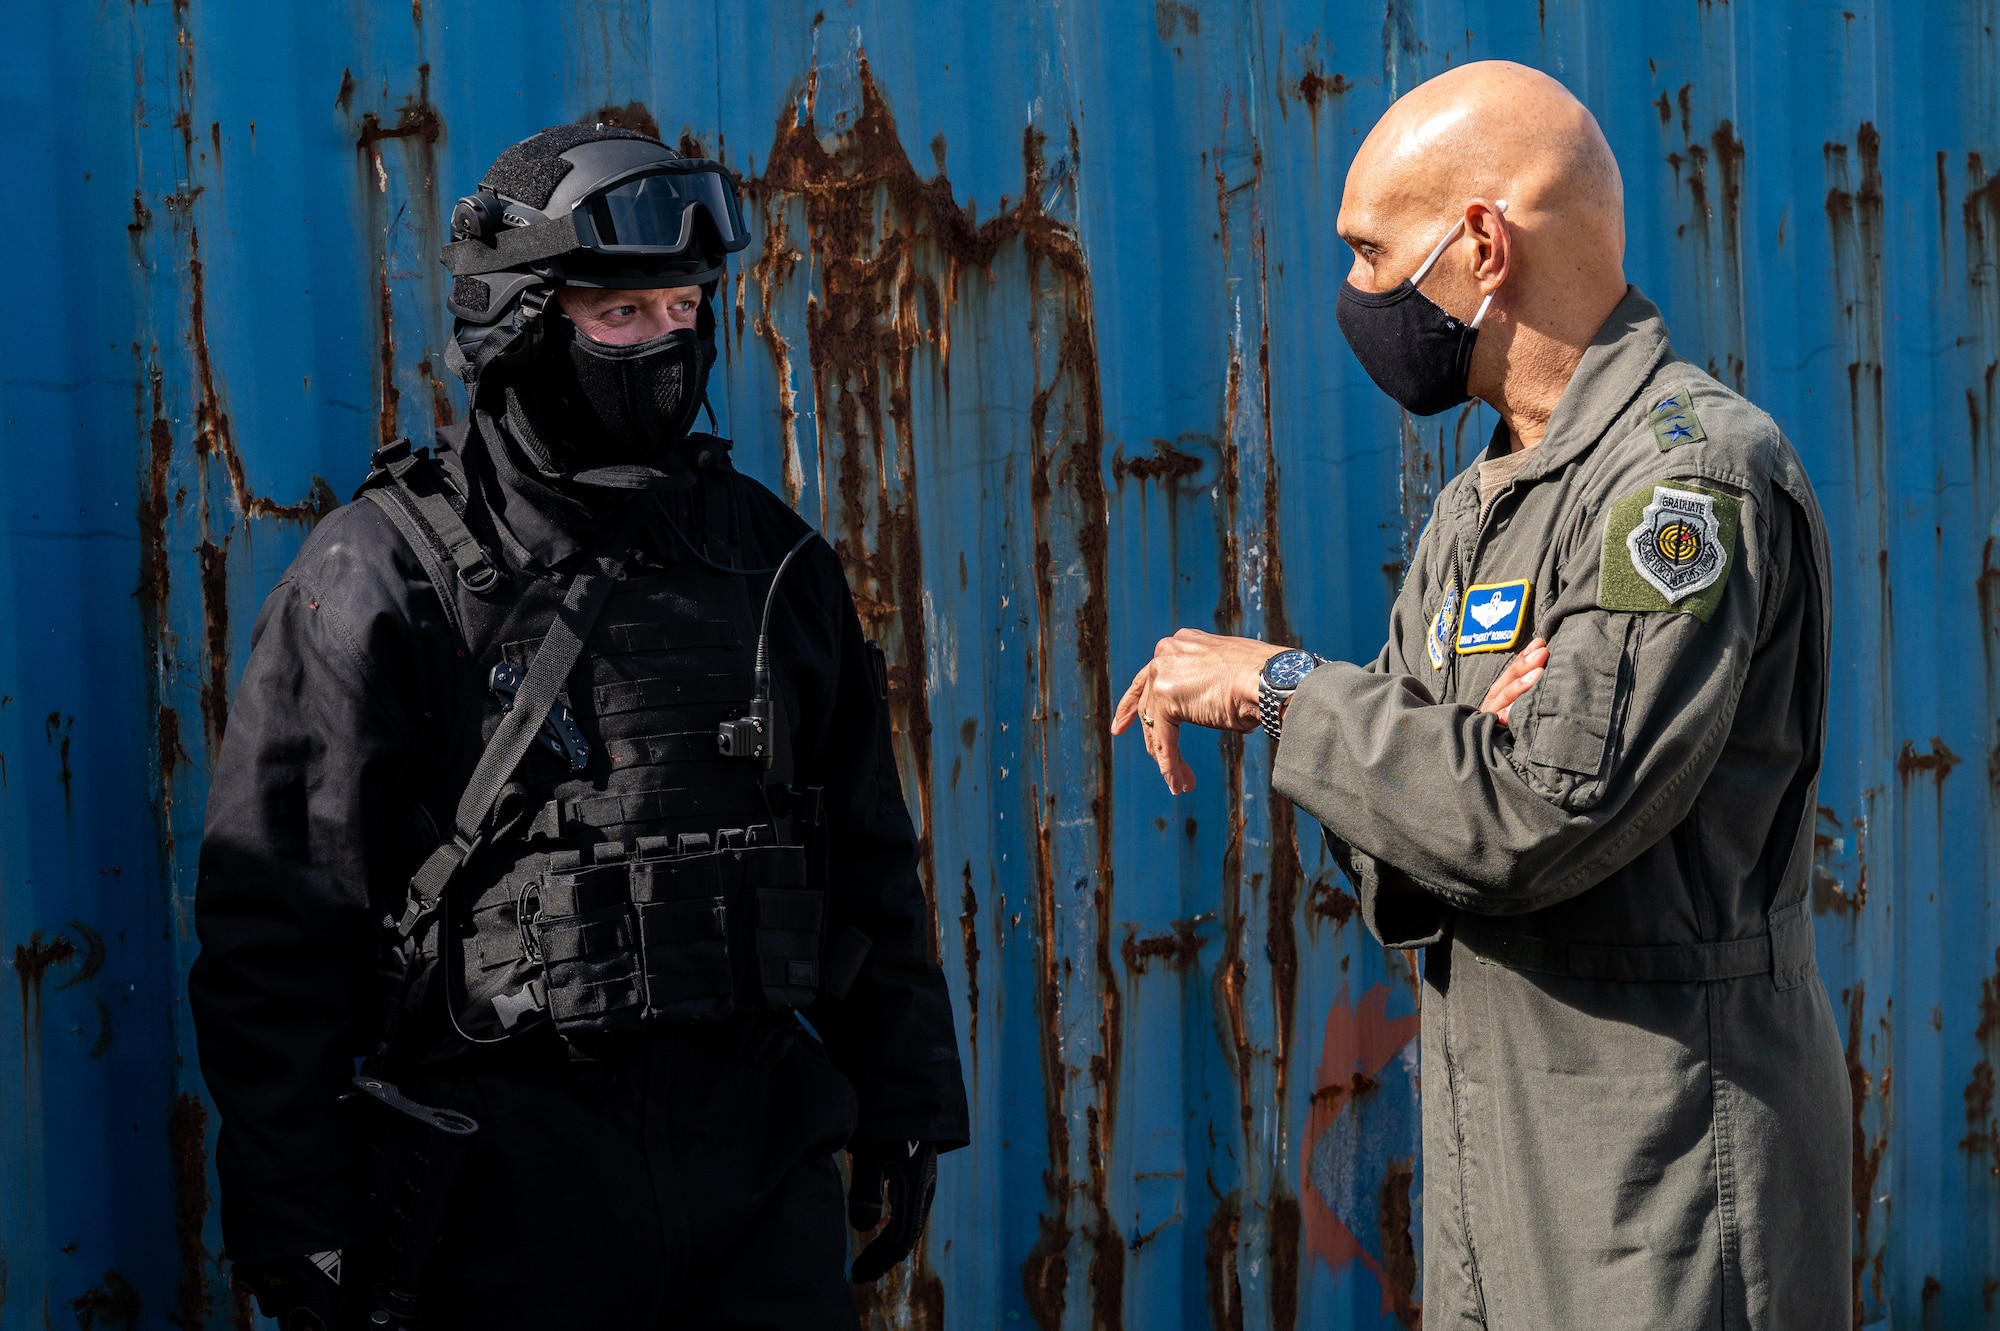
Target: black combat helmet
[[580, 205]]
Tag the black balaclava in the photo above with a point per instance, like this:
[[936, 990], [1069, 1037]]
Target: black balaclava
[[643, 396], [610, 416], [1414, 351]]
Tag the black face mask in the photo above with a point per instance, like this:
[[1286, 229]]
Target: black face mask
[[645, 396], [1414, 351]]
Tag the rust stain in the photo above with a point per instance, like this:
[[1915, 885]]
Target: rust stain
[[416, 118], [170, 756], [154, 570], [1855, 222], [110, 1304], [1167, 464], [389, 398], [1729, 155], [1868, 1154], [1287, 873], [1982, 1129], [1327, 901], [419, 128], [1725, 150], [1180, 948], [56, 729], [1282, 1214], [968, 926], [1315, 87], [1938, 762], [1829, 894], [187, 1138], [1171, 16], [32, 961], [214, 564], [1228, 988], [1106, 1272], [1982, 1133], [889, 249], [1224, 1286], [1045, 1271], [1399, 1253], [917, 1305], [443, 411], [633, 116], [213, 436]]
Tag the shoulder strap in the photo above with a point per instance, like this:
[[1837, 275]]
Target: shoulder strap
[[405, 485], [554, 658], [429, 550]]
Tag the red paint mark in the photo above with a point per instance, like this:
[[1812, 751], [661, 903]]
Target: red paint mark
[[1358, 1043]]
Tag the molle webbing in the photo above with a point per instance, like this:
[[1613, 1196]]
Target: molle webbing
[[693, 933]]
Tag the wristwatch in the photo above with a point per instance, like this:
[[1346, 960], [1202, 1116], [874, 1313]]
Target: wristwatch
[[1278, 681]]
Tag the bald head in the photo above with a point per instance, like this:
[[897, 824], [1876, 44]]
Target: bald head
[[1453, 149]]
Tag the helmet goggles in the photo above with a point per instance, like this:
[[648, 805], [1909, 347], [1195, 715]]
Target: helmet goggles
[[662, 216]]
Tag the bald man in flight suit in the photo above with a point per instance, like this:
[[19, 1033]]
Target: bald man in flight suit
[[1581, 775]]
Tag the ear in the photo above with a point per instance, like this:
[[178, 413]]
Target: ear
[[1486, 223]]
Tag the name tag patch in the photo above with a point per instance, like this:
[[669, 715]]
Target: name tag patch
[[1494, 616], [1443, 624]]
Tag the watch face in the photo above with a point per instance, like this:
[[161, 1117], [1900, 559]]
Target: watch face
[[1286, 669]]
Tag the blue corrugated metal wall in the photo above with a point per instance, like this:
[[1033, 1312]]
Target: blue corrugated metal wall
[[1040, 326]]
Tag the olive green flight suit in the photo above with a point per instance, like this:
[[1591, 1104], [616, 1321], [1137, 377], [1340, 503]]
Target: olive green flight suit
[[1634, 1093]]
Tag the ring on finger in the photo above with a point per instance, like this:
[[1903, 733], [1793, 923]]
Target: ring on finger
[[1145, 721]]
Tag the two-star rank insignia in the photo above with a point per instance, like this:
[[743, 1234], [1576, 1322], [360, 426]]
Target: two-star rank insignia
[[1673, 421]]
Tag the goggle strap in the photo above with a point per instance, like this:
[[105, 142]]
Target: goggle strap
[[512, 248]]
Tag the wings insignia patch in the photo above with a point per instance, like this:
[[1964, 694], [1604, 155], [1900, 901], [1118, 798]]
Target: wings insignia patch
[[1494, 616]]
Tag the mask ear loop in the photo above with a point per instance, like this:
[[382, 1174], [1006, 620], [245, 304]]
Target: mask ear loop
[[1484, 305]]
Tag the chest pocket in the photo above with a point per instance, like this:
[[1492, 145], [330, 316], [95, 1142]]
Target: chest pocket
[[1568, 737]]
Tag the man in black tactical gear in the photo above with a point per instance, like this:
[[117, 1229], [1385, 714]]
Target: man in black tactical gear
[[558, 790]]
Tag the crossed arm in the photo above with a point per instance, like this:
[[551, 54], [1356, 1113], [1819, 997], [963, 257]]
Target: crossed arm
[[1206, 679]]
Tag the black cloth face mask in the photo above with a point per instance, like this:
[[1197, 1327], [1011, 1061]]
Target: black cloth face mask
[[1412, 349], [644, 395]]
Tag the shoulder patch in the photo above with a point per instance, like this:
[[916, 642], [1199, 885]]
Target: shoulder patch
[[1445, 622], [1669, 547], [1673, 421]]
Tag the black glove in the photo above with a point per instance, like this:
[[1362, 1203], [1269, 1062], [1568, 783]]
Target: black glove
[[910, 1170], [294, 1291]]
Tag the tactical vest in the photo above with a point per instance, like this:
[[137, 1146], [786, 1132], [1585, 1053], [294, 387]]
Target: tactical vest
[[631, 871]]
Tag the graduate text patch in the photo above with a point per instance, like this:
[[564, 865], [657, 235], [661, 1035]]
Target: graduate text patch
[[1668, 547], [1493, 617]]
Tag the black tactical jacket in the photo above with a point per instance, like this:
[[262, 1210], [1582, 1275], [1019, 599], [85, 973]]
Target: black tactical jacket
[[349, 739]]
